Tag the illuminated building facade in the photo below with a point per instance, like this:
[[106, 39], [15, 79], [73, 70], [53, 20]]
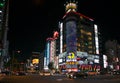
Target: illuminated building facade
[[79, 44], [4, 7], [112, 54], [35, 60], [50, 53]]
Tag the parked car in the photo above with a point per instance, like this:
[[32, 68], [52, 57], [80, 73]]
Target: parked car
[[77, 75], [21, 73], [4, 73], [116, 72]]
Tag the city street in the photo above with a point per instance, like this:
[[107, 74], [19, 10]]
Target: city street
[[59, 78]]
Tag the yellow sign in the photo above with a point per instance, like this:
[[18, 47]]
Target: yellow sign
[[72, 63], [71, 55], [35, 61]]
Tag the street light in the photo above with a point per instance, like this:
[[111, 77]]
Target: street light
[[13, 58]]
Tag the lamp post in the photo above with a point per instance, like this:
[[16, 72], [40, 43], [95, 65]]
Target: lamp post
[[13, 59]]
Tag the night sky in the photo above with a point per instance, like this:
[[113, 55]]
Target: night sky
[[32, 21]]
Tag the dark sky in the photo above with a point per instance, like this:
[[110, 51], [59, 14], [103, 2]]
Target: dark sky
[[32, 21]]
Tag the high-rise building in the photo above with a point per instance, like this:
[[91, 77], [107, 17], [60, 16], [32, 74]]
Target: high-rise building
[[51, 51], [78, 38], [4, 11]]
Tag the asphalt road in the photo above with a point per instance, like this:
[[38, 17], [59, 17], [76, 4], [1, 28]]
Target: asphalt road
[[58, 78]]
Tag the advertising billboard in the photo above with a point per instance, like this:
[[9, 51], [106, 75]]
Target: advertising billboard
[[35, 61], [71, 37], [71, 44]]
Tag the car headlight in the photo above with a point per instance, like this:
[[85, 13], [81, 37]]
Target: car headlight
[[71, 75]]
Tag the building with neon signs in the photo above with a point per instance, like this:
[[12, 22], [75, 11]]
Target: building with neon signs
[[50, 53], [79, 43], [4, 43]]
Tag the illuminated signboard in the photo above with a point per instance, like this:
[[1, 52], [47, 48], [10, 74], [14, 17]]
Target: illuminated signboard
[[72, 63], [71, 55], [35, 61]]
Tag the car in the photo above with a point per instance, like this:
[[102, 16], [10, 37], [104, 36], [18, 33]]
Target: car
[[45, 73], [116, 72], [92, 73], [4, 73], [21, 73], [73, 75]]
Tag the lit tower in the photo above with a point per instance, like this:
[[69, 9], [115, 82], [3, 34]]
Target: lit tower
[[50, 52], [4, 7], [78, 39]]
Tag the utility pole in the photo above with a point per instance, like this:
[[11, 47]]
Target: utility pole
[[12, 64]]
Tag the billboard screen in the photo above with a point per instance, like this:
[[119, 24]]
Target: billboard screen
[[71, 37], [71, 47], [35, 61]]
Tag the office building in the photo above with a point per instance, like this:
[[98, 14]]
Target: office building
[[79, 43], [4, 11]]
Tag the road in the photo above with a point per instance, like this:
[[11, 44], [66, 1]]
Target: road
[[58, 78]]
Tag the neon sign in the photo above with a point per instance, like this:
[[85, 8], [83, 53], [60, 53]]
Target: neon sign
[[71, 55]]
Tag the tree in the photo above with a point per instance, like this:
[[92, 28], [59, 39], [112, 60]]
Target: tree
[[51, 65]]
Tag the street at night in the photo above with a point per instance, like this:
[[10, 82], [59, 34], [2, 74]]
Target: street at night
[[60, 79], [65, 41]]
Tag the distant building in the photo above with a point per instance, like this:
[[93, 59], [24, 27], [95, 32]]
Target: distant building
[[113, 53], [35, 60]]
